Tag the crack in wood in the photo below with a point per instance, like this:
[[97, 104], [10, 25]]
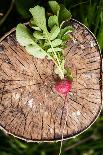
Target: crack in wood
[[21, 81]]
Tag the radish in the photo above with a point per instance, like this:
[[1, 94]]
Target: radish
[[48, 40], [63, 86]]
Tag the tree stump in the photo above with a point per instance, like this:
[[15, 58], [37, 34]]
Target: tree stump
[[30, 109]]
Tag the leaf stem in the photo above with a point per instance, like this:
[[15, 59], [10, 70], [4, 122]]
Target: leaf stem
[[58, 62], [50, 57]]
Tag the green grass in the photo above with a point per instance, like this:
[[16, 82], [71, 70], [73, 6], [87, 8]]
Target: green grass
[[89, 12]]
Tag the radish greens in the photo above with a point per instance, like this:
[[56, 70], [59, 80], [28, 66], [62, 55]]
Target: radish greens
[[48, 36]]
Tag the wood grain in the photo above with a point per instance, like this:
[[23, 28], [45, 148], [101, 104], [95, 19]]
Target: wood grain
[[29, 107]]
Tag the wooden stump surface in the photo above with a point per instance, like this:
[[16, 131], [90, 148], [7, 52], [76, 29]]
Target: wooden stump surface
[[30, 109]]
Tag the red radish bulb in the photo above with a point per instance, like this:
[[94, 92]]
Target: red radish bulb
[[63, 86]]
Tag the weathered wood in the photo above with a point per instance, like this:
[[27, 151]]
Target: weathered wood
[[29, 107]]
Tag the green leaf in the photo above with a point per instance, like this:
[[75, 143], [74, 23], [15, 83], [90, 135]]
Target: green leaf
[[53, 20], [65, 37], [57, 49], [38, 14], [64, 14], [26, 39], [66, 30], [36, 28], [46, 44], [38, 35], [32, 25], [35, 51], [56, 42], [68, 74], [54, 7], [54, 32], [23, 35], [64, 46]]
